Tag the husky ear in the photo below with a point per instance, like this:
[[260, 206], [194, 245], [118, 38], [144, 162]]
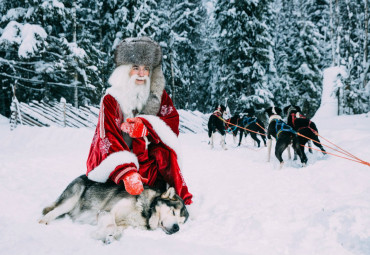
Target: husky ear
[[285, 110], [278, 110], [169, 194]]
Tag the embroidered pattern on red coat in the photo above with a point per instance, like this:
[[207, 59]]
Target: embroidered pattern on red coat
[[95, 138], [166, 109], [118, 122], [104, 145]]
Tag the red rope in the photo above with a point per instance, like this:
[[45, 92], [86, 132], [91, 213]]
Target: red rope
[[241, 127], [356, 159], [343, 151]]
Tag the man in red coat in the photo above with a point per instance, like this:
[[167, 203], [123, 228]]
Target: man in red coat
[[136, 138]]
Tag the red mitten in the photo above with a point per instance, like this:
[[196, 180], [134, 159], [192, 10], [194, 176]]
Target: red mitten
[[135, 128], [188, 202], [133, 183]]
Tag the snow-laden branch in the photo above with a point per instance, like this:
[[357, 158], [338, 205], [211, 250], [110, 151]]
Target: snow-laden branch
[[41, 82]]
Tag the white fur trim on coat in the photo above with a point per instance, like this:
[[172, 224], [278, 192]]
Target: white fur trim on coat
[[101, 172], [165, 133]]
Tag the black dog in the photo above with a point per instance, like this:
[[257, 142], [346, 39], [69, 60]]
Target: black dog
[[216, 123], [247, 120], [302, 125], [284, 135]]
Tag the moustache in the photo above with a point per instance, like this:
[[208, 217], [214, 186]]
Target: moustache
[[140, 78]]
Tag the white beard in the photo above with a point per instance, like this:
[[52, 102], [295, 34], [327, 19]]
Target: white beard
[[130, 96]]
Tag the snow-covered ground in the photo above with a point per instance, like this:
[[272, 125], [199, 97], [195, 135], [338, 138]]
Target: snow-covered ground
[[242, 204]]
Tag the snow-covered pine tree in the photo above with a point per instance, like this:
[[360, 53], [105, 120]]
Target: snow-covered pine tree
[[304, 62], [354, 96], [180, 38], [206, 88], [90, 37], [37, 52], [283, 19], [297, 58], [318, 12], [244, 42]]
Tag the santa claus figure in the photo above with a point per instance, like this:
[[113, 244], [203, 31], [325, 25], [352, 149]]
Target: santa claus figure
[[136, 138]]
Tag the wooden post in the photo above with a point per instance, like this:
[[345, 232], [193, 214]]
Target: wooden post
[[15, 111], [63, 101], [13, 115]]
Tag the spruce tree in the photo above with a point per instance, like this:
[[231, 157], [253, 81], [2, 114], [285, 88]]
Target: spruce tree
[[244, 57], [46, 71], [354, 96]]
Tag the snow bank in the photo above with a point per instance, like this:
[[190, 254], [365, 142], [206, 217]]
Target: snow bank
[[329, 101]]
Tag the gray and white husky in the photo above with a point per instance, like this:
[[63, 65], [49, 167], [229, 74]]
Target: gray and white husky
[[112, 209]]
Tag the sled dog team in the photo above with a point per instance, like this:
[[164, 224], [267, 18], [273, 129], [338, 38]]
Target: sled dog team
[[297, 131]]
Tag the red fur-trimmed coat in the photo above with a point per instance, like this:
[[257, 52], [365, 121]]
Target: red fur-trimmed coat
[[156, 157]]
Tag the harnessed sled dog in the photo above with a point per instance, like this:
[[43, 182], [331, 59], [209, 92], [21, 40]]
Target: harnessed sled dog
[[113, 209], [216, 124], [304, 126], [248, 120], [284, 135]]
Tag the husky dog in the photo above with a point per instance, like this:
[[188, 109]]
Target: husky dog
[[112, 209], [284, 135], [251, 123], [216, 124], [304, 126]]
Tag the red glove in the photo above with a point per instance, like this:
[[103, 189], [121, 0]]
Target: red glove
[[134, 182], [135, 128], [188, 202]]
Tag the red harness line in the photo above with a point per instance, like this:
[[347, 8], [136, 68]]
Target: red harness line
[[356, 159], [241, 127], [316, 133]]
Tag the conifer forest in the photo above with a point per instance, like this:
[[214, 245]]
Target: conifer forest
[[250, 53]]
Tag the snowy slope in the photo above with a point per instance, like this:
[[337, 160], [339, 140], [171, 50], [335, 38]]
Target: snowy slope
[[242, 204]]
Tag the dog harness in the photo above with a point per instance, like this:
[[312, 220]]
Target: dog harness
[[217, 113], [248, 121], [283, 127], [294, 117], [230, 128]]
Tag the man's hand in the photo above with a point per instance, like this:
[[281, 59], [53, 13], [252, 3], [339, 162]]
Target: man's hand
[[135, 128]]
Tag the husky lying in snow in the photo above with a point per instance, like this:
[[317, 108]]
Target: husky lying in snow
[[113, 209]]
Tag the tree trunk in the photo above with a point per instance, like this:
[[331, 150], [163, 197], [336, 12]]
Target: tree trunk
[[366, 61], [332, 33], [338, 33], [173, 78], [75, 41]]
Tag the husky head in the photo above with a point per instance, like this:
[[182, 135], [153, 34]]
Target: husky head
[[291, 109], [273, 111], [168, 212]]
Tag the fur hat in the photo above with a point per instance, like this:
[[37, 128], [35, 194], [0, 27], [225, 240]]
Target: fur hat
[[143, 51], [138, 51]]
